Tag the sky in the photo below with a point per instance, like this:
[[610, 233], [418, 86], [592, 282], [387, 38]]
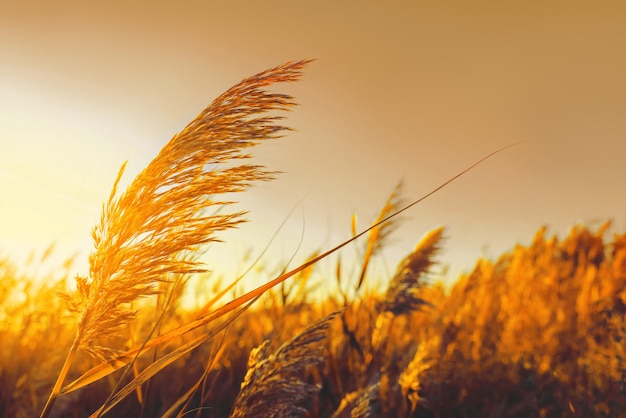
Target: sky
[[411, 91]]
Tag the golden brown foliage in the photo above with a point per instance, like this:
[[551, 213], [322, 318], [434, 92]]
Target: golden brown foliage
[[145, 234], [539, 332], [542, 328]]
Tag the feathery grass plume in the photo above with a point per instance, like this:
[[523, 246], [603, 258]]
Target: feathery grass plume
[[368, 403], [379, 234], [99, 372], [364, 403], [163, 212], [401, 295], [410, 378], [274, 386]]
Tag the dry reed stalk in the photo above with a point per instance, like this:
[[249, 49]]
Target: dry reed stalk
[[162, 213], [381, 231], [183, 402], [273, 386], [123, 359], [402, 295], [296, 293], [162, 362], [364, 403], [368, 403]]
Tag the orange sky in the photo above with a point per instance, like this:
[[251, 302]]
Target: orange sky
[[399, 91]]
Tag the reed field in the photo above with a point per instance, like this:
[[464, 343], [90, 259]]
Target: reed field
[[539, 332]]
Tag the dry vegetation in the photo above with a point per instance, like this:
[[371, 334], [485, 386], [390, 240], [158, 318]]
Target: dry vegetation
[[539, 332]]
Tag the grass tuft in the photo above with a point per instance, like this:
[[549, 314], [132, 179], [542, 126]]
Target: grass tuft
[[144, 232], [274, 384]]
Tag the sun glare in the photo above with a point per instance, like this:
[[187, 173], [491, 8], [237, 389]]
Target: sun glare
[[54, 174]]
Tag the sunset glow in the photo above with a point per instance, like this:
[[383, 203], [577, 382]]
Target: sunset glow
[[399, 93], [420, 98]]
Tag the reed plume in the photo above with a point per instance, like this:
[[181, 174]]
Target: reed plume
[[364, 403], [410, 378], [163, 213], [274, 386], [384, 225], [402, 293]]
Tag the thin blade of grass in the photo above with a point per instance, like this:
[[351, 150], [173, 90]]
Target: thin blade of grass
[[186, 397], [205, 309], [165, 361], [111, 366]]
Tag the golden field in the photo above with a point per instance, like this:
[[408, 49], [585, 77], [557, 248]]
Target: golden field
[[539, 332]]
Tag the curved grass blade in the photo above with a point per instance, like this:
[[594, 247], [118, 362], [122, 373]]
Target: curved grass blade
[[122, 360], [165, 361]]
